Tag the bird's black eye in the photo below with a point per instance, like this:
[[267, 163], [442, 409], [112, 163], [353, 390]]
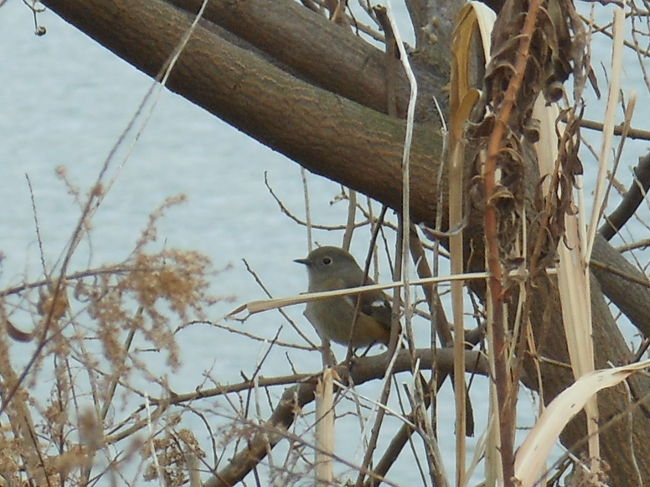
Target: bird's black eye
[[327, 260]]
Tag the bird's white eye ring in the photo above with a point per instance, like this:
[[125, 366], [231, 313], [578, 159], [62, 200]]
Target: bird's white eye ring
[[327, 260]]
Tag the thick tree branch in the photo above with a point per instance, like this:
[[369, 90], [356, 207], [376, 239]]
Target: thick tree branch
[[325, 133], [320, 52], [632, 298], [631, 201]]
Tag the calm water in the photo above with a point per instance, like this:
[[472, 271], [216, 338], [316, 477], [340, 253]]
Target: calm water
[[64, 102]]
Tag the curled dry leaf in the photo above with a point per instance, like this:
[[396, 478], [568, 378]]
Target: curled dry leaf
[[16, 333], [534, 452]]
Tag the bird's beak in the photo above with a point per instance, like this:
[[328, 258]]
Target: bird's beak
[[303, 261]]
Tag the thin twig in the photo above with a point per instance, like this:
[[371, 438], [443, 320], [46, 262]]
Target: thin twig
[[641, 244], [307, 222], [632, 133], [620, 273], [349, 225], [305, 192], [282, 312], [37, 227], [242, 333]]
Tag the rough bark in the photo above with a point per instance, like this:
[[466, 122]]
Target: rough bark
[[624, 287], [328, 134], [320, 52]]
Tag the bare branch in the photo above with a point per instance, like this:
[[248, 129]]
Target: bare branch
[[635, 195]]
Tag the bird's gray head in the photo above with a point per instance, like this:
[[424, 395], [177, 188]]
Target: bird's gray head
[[325, 262]]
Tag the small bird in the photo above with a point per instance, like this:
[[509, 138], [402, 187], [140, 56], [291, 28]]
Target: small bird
[[331, 268]]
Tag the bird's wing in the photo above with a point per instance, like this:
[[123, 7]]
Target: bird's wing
[[376, 304]]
